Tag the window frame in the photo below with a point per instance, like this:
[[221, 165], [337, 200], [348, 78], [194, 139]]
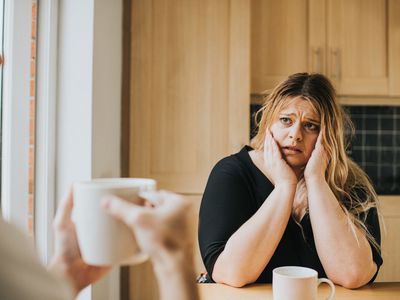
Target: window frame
[[72, 140], [15, 122], [46, 107]]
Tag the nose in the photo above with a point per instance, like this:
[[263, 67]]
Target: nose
[[295, 132]]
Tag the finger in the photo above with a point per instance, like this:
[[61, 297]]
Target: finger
[[275, 148], [319, 140], [148, 204], [151, 196], [267, 143], [64, 210], [176, 203], [122, 210], [171, 198]]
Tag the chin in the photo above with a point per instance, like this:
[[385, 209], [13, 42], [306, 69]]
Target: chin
[[295, 163]]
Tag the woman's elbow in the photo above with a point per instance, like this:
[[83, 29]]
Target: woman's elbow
[[351, 283], [234, 280], [355, 280]]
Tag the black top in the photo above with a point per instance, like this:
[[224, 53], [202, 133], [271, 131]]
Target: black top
[[235, 190]]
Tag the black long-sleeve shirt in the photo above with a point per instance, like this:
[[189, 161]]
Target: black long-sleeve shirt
[[235, 190]]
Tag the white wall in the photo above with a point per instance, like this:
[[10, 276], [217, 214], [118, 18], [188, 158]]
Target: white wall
[[89, 99]]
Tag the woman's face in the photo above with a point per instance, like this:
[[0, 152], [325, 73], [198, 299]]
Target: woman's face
[[295, 128]]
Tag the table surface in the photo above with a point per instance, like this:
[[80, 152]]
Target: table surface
[[384, 291]]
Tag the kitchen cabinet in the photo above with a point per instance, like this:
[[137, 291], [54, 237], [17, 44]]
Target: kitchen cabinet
[[390, 209], [189, 98], [190, 88], [356, 43]]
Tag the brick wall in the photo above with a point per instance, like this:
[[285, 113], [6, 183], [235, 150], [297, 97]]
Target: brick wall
[[32, 114]]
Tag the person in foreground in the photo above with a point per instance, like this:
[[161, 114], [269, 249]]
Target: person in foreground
[[294, 197], [164, 232]]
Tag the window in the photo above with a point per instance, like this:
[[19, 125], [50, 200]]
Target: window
[[19, 110], [1, 79], [15, 95]]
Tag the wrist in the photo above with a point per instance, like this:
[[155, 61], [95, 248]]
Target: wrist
[[60, 269], [173, 262], [176, 275], [286, 184], [315, 179]]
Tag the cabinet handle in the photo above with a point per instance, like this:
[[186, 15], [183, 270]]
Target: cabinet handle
[[317, 60], [336, 64]]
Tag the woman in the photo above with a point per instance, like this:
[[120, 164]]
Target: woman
[[294, 197]]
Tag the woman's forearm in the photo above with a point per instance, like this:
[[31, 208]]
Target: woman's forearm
[[250, 248], [344, 253]]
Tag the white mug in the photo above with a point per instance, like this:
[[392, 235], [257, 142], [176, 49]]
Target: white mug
[[102, 239], [297, 283]]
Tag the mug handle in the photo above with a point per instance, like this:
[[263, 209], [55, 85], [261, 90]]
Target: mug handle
[[321, 280]]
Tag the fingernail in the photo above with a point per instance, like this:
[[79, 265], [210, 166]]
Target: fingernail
[[106, 202]]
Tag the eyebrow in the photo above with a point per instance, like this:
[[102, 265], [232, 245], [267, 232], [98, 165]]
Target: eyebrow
[[307, 118]]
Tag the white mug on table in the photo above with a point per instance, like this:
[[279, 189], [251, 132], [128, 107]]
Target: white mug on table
[[103, 240], [297, 283]]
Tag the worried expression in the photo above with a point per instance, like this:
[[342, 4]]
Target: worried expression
[[295, 129]]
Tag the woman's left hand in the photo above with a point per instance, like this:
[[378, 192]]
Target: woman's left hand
[[316, 165]]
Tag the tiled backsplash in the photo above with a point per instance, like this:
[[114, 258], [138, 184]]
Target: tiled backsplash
[[375, 146]]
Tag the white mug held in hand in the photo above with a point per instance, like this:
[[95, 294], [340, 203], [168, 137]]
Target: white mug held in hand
[[104, 240], [297, 283]]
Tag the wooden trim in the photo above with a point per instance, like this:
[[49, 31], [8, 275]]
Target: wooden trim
[[126, 91], [394, 46], [239, 69], [125, 118], [369, 100], [347, 100]]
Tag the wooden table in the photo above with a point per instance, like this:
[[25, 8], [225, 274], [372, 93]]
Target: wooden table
[[384, 291]]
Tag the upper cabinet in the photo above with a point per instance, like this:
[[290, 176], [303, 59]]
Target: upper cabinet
[[356, 43], [279, 44], [190, 88]]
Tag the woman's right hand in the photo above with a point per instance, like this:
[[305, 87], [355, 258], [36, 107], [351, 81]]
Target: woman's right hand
[[276, 168]]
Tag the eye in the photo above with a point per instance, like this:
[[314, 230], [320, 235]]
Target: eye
[[311, 126], [285, 120]]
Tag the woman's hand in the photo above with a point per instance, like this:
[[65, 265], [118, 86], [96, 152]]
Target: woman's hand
[[67, 261], [316, 165], [275, 167]]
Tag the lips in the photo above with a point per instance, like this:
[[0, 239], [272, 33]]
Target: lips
[[289, 150]]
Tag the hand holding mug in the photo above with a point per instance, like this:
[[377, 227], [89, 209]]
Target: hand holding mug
[[103, 239], [67, 260], [166, 228]]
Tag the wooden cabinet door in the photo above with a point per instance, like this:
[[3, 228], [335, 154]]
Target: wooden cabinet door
[[358, 48], [390, 234], [279, 41], [189, 88]]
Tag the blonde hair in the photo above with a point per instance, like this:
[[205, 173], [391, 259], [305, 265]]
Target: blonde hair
[[346, 179]]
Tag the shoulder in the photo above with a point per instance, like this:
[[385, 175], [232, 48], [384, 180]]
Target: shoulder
[[233, 165], [22, 259]]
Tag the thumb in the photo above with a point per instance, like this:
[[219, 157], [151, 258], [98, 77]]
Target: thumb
[[64, 210]]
